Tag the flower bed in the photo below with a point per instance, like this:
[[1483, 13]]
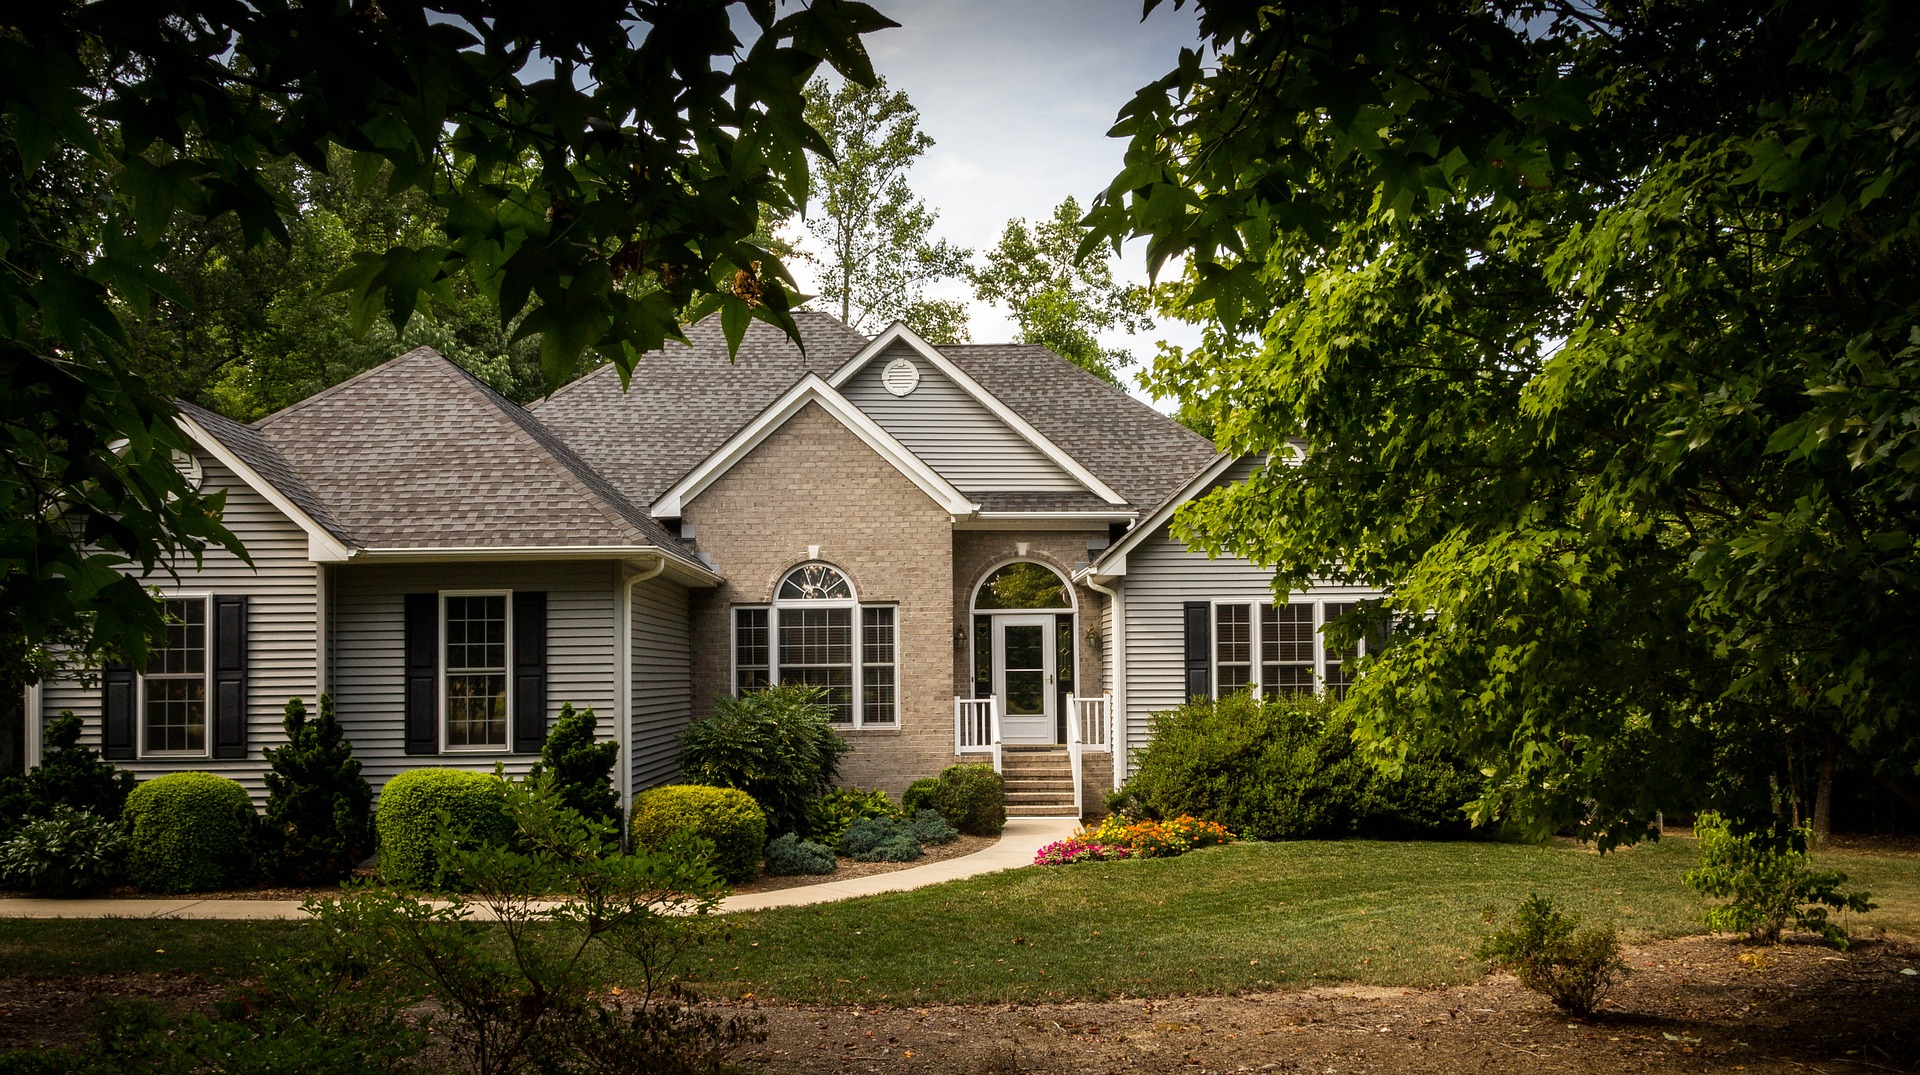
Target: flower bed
[[1118, 838], [1075, 849]]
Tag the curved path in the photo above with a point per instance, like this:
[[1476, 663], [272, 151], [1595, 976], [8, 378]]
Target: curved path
[[1022, 837]]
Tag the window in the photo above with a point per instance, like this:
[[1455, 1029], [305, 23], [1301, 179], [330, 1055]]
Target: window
[[809, 637], [1021, 585], [174, 705], [1338, 673], [1232, 648], [1286, 649], [475, 670]]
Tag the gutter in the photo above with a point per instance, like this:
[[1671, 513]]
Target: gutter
[[623, 690], [1117, 660]]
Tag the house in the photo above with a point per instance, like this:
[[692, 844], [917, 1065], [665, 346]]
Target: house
[[966, 547]]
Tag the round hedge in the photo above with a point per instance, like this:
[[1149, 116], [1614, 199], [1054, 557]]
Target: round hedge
[[973, 799], [408, 817], [726, 816], [189, 832]]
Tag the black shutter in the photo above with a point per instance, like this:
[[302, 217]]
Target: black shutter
[[1063, 673], [423, 673], [982, 656], [1199, 649], [230, 676], [118, 739], [529, 671]]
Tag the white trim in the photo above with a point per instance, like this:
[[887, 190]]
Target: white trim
[[1066, 584], [1115, 660], [476, 553], [900, 333], [207, 656], [812, 389], [1113, 562], [1253, 644], [322, 623], [623, 687], [322, 546], [1049, 625], [440, 660], [35, 731], [1043, 520]]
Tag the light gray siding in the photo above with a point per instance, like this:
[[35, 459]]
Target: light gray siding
[[662, 700], [368, 664], [281, 649], [953, 432], [1162, 575]]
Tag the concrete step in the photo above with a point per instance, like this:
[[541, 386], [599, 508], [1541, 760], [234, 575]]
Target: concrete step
[[1060, 810], [1020, 801], [1031, 782]]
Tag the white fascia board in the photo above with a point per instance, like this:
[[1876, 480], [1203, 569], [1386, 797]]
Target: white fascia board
[[812, 389], [322, 546], [900, 333], [1113, 562], [470, 553], [1044, 520]]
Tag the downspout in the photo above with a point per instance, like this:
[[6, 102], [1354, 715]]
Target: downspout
[[1117, 645], [623, 690]]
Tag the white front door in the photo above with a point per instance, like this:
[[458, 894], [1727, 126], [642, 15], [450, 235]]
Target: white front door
[[1023, 670]]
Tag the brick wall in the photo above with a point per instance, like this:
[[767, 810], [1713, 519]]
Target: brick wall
[[813, 482], [976, 551]]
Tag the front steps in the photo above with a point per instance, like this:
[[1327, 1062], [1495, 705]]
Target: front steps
[[1039, 781]]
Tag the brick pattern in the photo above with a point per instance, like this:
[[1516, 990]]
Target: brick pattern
[[975, 552], [813, 482]]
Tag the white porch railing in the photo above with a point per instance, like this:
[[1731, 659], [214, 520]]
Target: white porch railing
[[1096, 721], [976, 727]]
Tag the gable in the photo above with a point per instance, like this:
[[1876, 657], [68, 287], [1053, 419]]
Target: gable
[[955, 434]]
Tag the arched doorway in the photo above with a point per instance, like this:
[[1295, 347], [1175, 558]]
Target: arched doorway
[[1023, 649]]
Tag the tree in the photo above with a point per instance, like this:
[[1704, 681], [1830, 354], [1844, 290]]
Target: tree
[[568, 150], [1599, 324], [1058, 299], [877, 259]]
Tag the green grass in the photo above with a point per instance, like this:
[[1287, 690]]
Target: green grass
[[1249, 916]]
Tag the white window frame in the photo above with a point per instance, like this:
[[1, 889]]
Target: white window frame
[[857, 710], [445, 669], [1253, 684], [206, 677], [1257, 675], [1315, 665]]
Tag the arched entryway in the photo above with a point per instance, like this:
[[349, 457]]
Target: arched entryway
[[1023, 616]]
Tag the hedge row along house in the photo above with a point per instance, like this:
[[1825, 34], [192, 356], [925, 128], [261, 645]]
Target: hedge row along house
[[966, 547]]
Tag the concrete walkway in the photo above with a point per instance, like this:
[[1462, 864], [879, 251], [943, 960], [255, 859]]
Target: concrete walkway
[[1016, 846]]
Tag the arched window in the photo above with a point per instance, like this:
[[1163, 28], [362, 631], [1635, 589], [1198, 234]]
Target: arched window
[[816, 633], [1021, 585]]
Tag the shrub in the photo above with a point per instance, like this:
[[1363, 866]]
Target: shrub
[[929, 827], [1077, 849], [70, 775], [829, 815], [1542, 947], [582, 766], [789, 855], [72, 853], [319, 816], [880, 839], [1286, 768], [411, 809], [973, 799], [727, 817], [1155, 839], [189, 832], [775, 744], [1768, 883], [921, 795]]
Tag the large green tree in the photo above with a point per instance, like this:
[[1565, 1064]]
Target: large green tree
[[1058, 299], [565, 148], [877, 255], [1600, 326]]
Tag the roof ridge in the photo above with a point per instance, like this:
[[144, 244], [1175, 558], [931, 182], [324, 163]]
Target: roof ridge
[[336, 389], [302, 495], [1089, 375]]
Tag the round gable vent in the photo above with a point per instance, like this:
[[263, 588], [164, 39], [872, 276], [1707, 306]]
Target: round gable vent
[[901, 376]]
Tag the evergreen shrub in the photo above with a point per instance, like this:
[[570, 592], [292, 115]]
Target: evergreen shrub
[[920, 795], [776, 744], [70, 775], [929, 827], [973, 799], [411, 806], [581, 765], [789, 855], [880, 839], [726, 817], [319, 816], [72, 853], [190, 832]]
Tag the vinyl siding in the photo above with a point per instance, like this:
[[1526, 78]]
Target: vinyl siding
[[1162, 575], [368, 659], [662, 700], [953, 432], [281, 649]]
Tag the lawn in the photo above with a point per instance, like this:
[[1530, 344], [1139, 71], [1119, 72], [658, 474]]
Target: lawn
[[1249, 916]]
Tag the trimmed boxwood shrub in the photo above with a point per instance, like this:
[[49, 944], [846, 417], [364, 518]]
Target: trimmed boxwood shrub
[[189, 832], [726, 817], [920, 795], [409, 816], [973, 799]]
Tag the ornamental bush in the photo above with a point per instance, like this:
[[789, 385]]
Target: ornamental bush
[[880, 839], [72, 853], [829, 815], [920, 795], [319, 816], [930, 828], [1542, 947], [70, 775], [1287, 768], [727, 818], [581, 765], [1077, 849], [1155, 839], [1768, 883], [776, 744], [789, 855], [973, 799], [409, 819], [190, 832]]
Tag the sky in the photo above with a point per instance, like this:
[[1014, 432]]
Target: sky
[[1018, 96]]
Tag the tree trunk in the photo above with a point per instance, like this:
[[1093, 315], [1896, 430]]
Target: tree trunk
[[1823, 791]]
